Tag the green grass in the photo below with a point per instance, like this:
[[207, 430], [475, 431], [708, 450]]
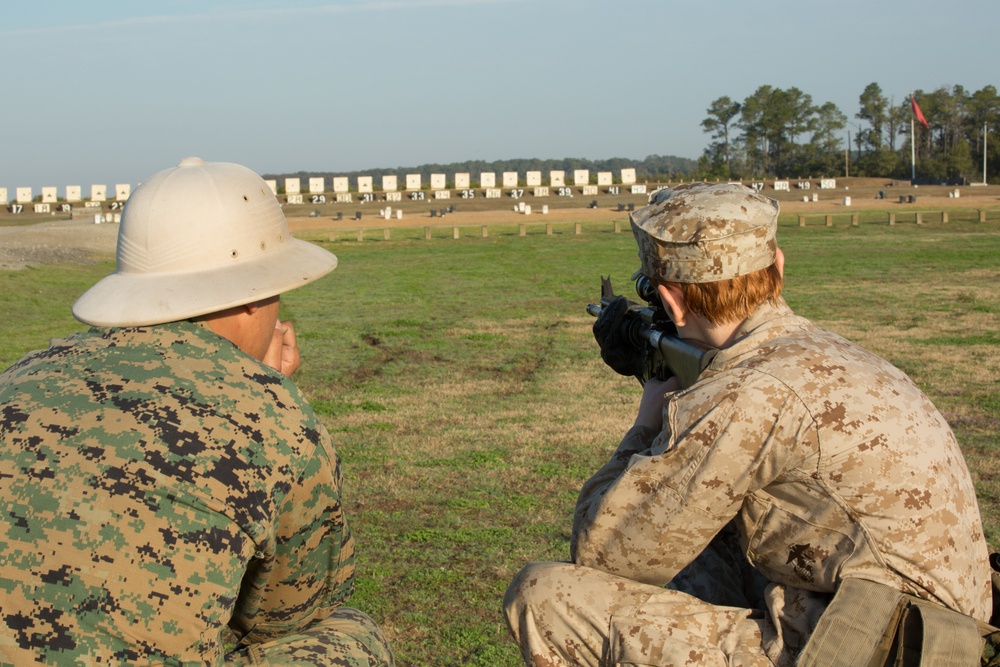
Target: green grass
[[463, 389]]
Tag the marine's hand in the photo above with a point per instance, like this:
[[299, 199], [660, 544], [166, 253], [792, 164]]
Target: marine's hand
[[616, 350], [652, 403], [283, 353]]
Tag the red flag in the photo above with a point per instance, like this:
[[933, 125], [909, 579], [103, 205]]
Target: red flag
[[918, 113]]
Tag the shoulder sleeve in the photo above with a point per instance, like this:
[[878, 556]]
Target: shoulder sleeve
[[722, 439], [311, 570]]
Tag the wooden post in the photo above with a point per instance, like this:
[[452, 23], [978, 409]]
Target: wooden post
[[485, 233], [802, 221], [618, 227], [944, 216], [386, 235], [548, 229], [454, 232], [361, 235], [892, 219], [982, 215], [427, 233], [521, 230], [577, 229], [854, 219], [920, 218], [829, 221]]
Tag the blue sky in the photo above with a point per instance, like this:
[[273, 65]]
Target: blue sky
[[112, 91]]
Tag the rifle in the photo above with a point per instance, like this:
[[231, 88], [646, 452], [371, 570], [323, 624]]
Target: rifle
[[649, 330]]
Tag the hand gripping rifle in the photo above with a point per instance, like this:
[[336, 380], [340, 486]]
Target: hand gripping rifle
[[650, 332]]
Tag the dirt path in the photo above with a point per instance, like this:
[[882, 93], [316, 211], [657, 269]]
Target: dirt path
[[56, 242]]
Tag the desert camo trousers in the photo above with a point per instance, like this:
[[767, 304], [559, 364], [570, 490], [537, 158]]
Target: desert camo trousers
[[712, 613], [564, 614], [348, 638]]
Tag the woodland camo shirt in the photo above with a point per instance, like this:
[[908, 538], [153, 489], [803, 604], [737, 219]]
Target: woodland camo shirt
[[164, 496]]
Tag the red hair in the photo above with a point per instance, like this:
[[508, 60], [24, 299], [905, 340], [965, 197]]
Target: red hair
[[731, 300]]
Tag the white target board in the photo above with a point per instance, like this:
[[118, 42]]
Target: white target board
[[462, 181], [581, 177], [557, 179], [628, 176], [341, 185], [604, 178], [413, 181], [437, 181], [510, 179], [49, 195], [122, 191], [533, 179], [3, 195], [23, 195], [293, 186], [390, 183], [98, 192], [365, 184], [487, 179], [316, 185], [273, 184]]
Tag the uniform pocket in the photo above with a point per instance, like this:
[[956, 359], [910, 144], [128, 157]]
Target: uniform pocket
[[793, 550]]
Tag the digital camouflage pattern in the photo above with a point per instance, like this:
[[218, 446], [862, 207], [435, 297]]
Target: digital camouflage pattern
[[700, 232], [168, 500], [825, 460]]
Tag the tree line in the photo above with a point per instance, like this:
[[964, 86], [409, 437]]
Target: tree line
[[782, 133], [652, 169]]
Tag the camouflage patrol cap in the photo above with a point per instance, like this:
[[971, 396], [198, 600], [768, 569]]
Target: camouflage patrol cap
[[199, 238], [703, 232]]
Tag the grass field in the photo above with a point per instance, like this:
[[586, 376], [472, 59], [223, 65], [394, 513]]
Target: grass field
[[465, 394]]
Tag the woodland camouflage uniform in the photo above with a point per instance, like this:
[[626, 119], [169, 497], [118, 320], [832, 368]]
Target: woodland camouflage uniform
[[169, 499], [797, 461]]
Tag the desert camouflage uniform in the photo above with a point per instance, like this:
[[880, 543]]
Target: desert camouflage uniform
[[170, 500], [814, 458]]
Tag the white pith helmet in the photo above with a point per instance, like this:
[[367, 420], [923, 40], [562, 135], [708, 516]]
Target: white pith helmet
[[196, 239]]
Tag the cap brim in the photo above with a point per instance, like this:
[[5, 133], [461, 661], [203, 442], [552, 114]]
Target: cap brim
[[132, 299]]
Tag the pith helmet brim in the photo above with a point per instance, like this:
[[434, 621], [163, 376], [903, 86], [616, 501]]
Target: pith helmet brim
[[137, 300]]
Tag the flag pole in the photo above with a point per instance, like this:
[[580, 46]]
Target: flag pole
[[913, 143]]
